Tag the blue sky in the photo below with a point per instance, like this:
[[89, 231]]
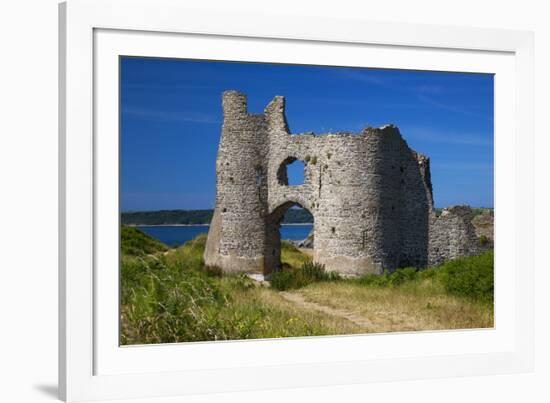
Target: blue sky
[[171, 119]]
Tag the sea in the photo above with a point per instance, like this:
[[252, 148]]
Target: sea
[[178, 235]]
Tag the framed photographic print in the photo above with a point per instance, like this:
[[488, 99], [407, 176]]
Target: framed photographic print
[[243, 208]]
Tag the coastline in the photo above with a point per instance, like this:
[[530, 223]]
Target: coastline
[[198, 225], [167, 225]]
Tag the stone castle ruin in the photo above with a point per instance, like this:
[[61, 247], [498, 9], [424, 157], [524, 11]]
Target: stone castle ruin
[[369, 193]]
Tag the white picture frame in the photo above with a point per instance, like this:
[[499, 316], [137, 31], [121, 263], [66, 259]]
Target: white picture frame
[[92, 366]]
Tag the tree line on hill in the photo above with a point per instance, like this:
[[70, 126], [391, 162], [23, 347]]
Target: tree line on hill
[[196, 217]]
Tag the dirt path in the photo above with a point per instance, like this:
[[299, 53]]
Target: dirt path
[[299, 300]]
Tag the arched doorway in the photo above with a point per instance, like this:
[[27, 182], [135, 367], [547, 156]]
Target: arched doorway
[[274, 221]]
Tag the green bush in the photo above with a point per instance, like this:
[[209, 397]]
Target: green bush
[[403, 275], [471, 277], [483, 240], [386, 279], [240, 282], [308, 273]]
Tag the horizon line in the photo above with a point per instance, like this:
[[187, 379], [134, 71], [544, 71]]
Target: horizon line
[[295, 207]]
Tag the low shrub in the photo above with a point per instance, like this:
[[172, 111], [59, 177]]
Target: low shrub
[[240, 282], [317, 272], [403, 275], [471, 277], [483, 240], [387, 279], [308, 273]]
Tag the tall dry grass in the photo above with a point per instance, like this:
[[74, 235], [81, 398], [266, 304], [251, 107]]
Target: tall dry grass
[[171, 297]]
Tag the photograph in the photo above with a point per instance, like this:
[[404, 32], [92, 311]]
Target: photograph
[[263, 200]]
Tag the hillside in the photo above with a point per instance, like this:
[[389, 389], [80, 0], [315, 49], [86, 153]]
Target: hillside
[[134, 242], [190, 217]]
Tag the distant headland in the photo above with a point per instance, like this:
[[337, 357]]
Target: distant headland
[[198, 217]]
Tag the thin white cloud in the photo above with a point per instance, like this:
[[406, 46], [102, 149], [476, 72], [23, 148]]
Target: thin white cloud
[[426, 93], [162, 115], [363, 77], [463, 166], [429, 100], [143, 201], [448, 137], [156, 86], [427, 89]]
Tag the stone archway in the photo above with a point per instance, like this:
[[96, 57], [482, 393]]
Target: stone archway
[[369, 194], [272, 255]]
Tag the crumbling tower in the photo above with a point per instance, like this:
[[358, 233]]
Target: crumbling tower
[[369, 193]]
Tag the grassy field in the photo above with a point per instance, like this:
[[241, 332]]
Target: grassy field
[[167, 295]]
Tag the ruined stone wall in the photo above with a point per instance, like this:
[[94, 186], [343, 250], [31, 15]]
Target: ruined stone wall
[[369, 193], [236, 240], [453, 235], [484, 224]]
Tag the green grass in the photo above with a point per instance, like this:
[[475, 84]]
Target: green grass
[[469, 277], [167, 295], [172, 298], [291, 256], [135, 242], [455, 295], [308, 273]]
